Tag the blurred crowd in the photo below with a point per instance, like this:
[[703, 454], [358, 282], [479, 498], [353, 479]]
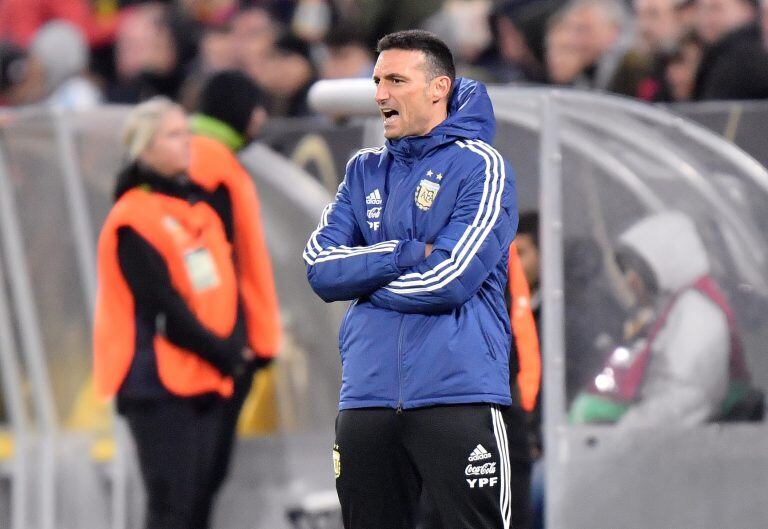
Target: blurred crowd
[[80, 53]]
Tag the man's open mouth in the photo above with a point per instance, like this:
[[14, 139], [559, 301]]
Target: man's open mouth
[[389, 115]]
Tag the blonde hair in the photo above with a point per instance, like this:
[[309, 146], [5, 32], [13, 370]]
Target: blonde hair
[[142, 124]]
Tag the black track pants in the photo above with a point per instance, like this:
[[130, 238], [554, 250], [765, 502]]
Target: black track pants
[[519, 476], [226, 444], [177, 441], [458, 455]]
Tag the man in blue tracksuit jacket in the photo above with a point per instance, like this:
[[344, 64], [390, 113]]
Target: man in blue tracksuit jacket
[[418, 237]]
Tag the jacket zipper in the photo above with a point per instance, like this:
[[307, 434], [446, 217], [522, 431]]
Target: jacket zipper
[[385, 216], [343, 328], [399, 366]]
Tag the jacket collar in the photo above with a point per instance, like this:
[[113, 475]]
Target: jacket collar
[[136, 174], [217, 130], [470, 116]]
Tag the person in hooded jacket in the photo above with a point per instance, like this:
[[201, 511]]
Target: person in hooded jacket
[[230, 115], [418, 239], [682, 361]]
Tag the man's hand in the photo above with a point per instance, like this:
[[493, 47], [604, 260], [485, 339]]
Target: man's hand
[[427, 250]]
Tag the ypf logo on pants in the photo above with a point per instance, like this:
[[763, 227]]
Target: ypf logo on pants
[[482, 482]]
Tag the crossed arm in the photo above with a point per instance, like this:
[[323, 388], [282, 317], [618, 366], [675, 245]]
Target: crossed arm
[[412, 276]]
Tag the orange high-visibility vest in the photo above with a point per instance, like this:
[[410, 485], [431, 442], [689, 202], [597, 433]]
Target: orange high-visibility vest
[[524, 329], [213, 165], [191, 240]]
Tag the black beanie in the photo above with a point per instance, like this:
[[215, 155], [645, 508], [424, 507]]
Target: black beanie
[[230, 96]]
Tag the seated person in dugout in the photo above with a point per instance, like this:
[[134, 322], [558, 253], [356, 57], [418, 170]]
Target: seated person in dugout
[[682, 360]]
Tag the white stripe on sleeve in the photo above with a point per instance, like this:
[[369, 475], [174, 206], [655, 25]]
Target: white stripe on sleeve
[[472, 238]]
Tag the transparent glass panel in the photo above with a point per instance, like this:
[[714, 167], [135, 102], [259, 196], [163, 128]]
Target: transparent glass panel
[[35, 172], [98, 148]]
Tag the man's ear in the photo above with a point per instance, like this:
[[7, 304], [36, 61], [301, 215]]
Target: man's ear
[[440, 87]]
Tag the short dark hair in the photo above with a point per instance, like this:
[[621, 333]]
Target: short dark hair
[[529, 225], [439, 60]]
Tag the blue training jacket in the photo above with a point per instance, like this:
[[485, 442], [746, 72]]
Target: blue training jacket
[[422, 332]]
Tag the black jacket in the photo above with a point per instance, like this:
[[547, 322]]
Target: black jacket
[[735, 67]]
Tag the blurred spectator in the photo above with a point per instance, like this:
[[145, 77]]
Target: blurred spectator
[[217, 52], [142, 48], [21, 76], [146, 56], [254, 31], [209, 12], [347, 56], [658, 30], [658, 26], [527, 242], [287, 75], [601, 30], [231, 110], [687, 13], [593, 317], [525, 355], [523, 420], [311, 20], [169, 331], [564, 60], [462, 24], [516, 53], [681, 360], [61, 50], [735, 63], [20, 19], [375, 18], [681, 68], [717, 18], [231, 113]]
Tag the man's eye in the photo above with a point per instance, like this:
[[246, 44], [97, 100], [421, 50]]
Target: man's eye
[[397, 81], [376, 81]]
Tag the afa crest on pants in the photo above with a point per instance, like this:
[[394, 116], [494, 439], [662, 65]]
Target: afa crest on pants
[[336, 462], [426, 193]]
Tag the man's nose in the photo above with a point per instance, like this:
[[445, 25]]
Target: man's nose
[[381, 94]]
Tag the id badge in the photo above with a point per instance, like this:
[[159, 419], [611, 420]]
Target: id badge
[[201, 269]]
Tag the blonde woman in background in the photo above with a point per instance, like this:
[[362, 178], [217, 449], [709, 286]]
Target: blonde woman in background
[[169, 329]]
